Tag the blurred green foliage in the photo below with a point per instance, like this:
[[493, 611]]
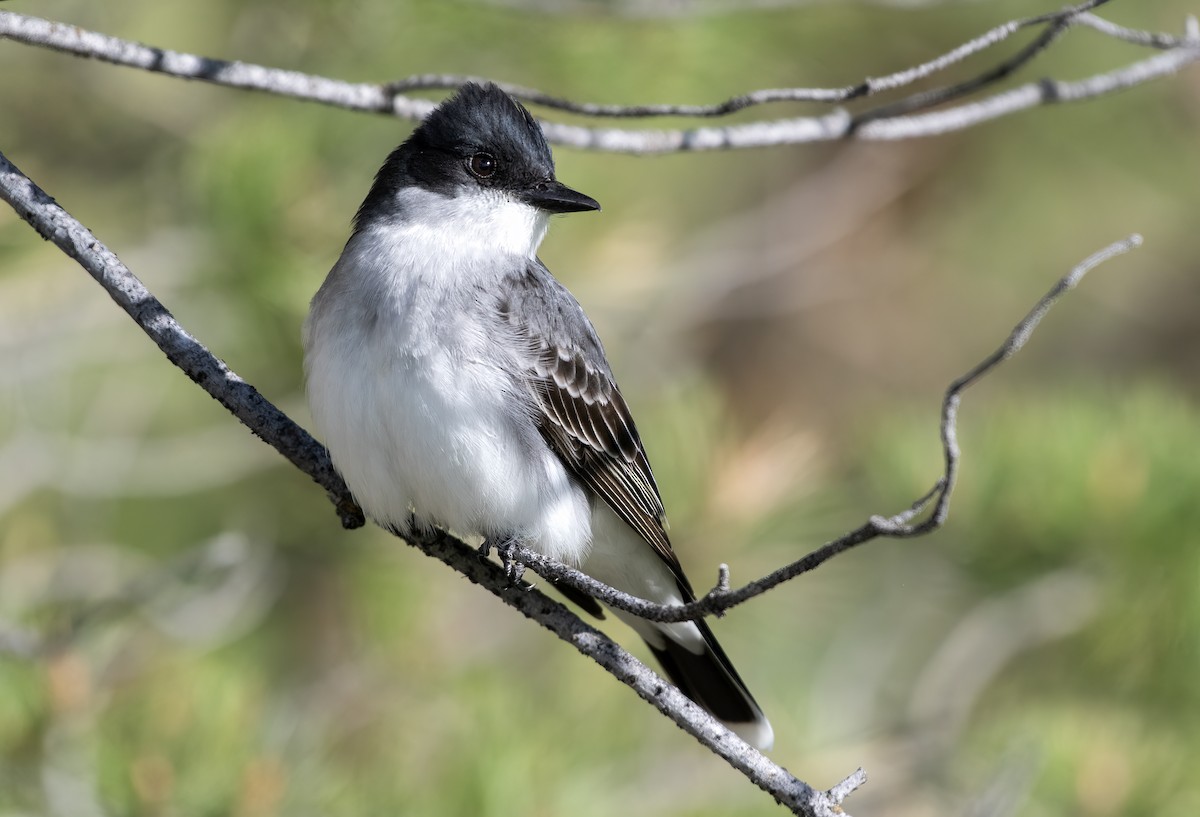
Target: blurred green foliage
[[783, 322]]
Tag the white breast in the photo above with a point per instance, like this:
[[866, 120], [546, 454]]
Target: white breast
[[410, 391]]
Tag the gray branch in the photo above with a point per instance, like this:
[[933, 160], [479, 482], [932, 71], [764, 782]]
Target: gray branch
[[241, 399], [55, 224], [1030, 96], [897, 120]]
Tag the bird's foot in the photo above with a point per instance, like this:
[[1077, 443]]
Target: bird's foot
[[505, 548]]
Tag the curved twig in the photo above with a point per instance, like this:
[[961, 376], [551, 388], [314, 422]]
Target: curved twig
[[898, 526]]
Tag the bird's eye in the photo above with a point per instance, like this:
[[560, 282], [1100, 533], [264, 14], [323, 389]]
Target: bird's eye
[[482, 165]]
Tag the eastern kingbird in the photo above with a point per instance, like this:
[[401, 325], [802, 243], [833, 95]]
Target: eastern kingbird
[[458, 384]]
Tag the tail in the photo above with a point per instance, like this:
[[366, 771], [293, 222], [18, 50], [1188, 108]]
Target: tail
[[709, 679], [687, 650]]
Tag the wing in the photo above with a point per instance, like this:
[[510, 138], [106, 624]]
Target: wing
[[583, 416]]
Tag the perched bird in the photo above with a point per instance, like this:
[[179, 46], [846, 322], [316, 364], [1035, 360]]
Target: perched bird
[[458, 384]]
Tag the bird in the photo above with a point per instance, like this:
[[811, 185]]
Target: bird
[[457, 384]]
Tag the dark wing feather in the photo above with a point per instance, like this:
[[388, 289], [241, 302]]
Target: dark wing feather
[[583, 416]]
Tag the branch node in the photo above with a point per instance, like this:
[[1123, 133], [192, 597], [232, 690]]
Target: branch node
[[883, 525], [901, 523], [1050, 90], [722, 580], [847, 787], [351, 515]]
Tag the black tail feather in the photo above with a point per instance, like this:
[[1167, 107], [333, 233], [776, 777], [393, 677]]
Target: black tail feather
[[709, 679]]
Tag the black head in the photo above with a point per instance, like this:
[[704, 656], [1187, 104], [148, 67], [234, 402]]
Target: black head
[[479, 138]]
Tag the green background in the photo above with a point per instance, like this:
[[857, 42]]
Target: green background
[[783, 322]]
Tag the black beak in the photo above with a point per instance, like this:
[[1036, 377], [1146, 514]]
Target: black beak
[[555, 197]]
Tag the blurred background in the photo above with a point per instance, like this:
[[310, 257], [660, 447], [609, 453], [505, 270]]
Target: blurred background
[[186, 630]]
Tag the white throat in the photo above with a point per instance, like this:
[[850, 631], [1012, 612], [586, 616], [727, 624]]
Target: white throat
[[471, 223]]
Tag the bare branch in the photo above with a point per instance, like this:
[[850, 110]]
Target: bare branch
[[1012, 344], [996, 35], [83, 43], [1029, 96], [447, 82], [937, 96], [890, 121], [241, 399], [53, 223]]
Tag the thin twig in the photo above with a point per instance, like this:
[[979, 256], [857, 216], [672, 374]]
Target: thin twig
[[1012, 344], [868, 87], [988, 39], [898, 526], [764, 96], [1029, 96], [938, 96], [55, 224]]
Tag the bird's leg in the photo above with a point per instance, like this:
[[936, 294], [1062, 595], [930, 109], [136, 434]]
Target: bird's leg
[[505, 547]]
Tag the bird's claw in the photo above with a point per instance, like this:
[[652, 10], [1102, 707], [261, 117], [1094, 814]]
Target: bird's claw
[[506, 550]]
